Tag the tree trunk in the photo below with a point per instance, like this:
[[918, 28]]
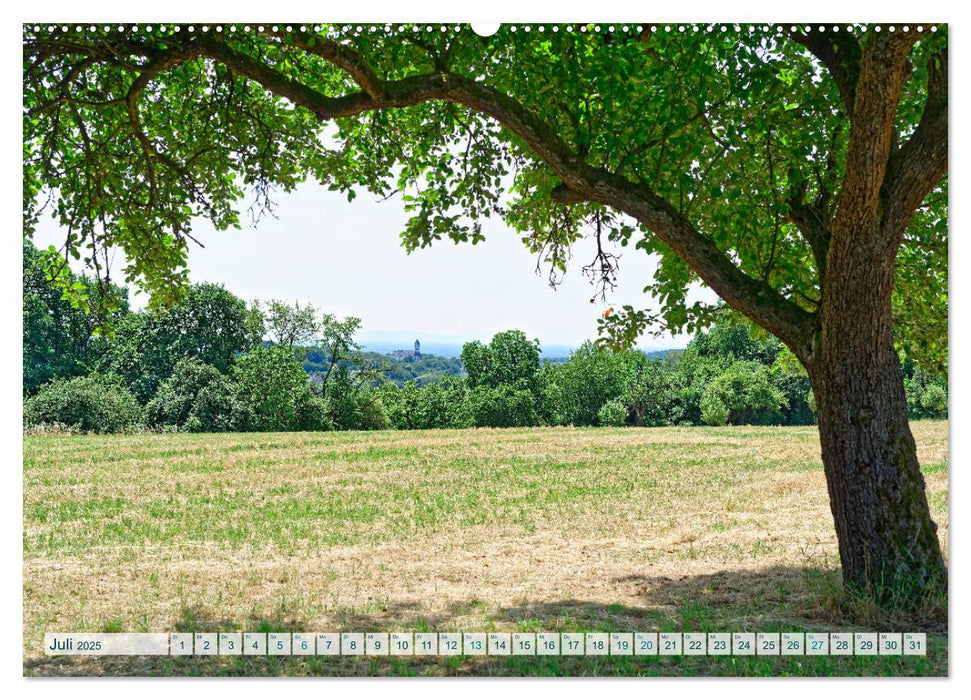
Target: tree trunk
[[887, 540]]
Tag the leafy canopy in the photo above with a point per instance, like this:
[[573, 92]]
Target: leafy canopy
[[731, 132]]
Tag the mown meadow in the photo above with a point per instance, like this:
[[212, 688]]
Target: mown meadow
[[529, 529]]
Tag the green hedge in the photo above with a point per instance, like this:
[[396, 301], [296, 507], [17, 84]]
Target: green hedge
[[84, 404]]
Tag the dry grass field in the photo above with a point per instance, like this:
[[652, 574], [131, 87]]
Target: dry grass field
[[546, 529]]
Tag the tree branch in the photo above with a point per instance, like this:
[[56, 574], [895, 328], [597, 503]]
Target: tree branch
[[840, 52], [883, 71], [921, 162], [754, 298], [811, 221], [581, 182], [344, 57]]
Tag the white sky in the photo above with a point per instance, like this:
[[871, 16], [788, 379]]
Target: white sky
[[346, 258]]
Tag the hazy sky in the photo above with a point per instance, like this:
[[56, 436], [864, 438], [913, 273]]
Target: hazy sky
[[346, 258]]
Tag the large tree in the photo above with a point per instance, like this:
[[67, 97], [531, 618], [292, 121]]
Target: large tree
[[209, 323], [788, 168]]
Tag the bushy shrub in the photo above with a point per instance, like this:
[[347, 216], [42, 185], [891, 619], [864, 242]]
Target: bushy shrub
[[88, 404], [413, 407], [509, 358], [934, 401], [312, 412], [926, 395], [746, 391], [795, 387], [648, 392], [713, 410], [504, 406], [175, 403], [370, 412], [214, 410], [576, 390], [342, 408], [272, 392], [612, 413]]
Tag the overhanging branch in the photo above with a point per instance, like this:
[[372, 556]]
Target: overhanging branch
[[580, 182]]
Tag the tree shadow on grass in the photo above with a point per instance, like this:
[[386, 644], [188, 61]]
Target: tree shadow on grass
[[770, 599], [774, 599]]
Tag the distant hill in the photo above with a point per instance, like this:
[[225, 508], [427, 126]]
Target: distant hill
[[662, 354], [427, 369], [454, 349], [430, 367], [442, 349]]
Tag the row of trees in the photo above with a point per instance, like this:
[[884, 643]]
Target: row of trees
[[208, 363], [213, 363], [724, 376]]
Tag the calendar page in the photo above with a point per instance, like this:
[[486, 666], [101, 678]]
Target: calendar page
[[360, 347]]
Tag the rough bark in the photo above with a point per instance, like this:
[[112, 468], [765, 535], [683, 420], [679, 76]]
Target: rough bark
[[887, 540]]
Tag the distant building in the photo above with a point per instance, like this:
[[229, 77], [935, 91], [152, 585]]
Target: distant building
[[407, 355]]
